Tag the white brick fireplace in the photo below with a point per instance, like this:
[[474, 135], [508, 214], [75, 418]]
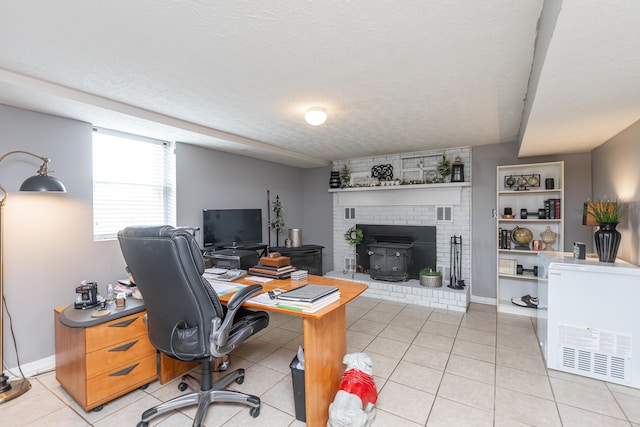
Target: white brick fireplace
[[407, 205]]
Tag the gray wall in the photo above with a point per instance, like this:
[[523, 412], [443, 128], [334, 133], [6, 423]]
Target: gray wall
[[318, 213], [577, 171], [209, 179], [48, 238], [616, 174]]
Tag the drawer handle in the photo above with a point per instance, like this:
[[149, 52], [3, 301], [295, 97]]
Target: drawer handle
[[124, 371], [125, 347], [123, 323]]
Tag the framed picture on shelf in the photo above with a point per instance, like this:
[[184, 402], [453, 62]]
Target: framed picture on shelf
[[508, 266], [360, 179]]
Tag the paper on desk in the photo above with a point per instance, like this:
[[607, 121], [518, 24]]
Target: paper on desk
[[224, 288], [263, 299], [259, 279]]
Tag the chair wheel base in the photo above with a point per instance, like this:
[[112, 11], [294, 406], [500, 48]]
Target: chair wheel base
[[142, 424], [254, 412]]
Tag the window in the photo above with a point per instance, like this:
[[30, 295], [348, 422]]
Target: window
[[133, 182]]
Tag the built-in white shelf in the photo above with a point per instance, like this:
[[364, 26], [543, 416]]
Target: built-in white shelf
[[444, 194]]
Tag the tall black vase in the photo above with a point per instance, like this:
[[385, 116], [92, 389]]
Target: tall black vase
[[334, 181], [607, 241]]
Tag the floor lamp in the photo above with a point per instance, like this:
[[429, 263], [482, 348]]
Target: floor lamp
[[39, 182]]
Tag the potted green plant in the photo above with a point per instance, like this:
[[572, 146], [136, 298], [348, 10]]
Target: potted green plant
[[605, 210], [345, 176], [607, 214], [430, 278], [444, 167], [277, 223]]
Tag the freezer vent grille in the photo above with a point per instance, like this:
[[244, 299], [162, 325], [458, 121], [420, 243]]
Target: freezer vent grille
[[568, 357], [584, 360], [594, 352], [618, 368], [599, 365]]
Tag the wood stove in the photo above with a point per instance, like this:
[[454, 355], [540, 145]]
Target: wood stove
[[389, 261], [416, 243]]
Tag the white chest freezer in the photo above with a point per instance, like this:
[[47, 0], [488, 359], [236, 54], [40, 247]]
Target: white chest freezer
[[589, 317]]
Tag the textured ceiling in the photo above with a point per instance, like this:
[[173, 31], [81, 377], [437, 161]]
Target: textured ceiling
[[393, 76]]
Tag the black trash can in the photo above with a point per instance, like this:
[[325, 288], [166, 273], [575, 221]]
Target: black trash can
[[297, 378]]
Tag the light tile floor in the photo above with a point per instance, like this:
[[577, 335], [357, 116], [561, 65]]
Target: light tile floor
[[432, 368]]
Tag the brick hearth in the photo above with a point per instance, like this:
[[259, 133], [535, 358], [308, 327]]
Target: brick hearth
[[411, 292]]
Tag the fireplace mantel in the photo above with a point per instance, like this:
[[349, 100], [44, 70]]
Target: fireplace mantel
[[403, 195]]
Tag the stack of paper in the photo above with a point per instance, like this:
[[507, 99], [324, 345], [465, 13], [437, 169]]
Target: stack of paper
[[299, 275], [308, 298]]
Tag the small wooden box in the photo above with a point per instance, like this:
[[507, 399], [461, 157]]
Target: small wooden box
[[274, 259]]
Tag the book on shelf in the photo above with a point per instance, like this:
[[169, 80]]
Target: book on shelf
[[504, 238], [552, 208], [309, 307], [308, 293]]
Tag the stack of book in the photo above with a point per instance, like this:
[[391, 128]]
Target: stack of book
[[308, 298], [274, 266]]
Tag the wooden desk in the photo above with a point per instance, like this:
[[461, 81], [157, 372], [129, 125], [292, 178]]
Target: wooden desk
[[325, 343]]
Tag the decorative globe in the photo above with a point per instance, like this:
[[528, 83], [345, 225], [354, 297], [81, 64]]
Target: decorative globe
[[522, 236]]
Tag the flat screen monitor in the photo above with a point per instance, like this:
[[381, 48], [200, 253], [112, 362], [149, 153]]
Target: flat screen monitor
[[227, 227]]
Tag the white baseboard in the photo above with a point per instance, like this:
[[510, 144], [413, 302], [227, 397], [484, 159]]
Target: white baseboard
[[484, 300], [33, 368]]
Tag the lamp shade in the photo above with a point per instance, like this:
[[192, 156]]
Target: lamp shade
[[42, 183], [315, 116]]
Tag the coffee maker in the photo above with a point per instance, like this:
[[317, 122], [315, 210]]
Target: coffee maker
[[87, 295]]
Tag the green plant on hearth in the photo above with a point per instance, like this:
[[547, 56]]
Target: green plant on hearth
[[430, 278], [345, 176], [428, 271], [605, 210], [444, 166]]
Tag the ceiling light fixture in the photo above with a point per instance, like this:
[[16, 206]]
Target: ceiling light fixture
[[315, 116]]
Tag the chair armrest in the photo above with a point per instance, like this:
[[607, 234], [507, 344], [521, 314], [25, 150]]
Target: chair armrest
[[220, 329], [242, 295]]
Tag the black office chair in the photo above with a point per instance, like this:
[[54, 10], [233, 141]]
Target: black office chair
[[185, 317]]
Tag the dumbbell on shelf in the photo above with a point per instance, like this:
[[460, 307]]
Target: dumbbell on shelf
[[540, 213], [520, 270]]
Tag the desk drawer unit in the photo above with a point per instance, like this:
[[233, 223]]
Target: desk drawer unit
[[99, 363]]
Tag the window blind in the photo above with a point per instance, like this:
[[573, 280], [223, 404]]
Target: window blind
[[133, 182]]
